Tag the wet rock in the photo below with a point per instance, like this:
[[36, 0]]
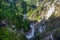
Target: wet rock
[[2, 24]]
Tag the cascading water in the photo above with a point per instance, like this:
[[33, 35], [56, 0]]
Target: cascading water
[[32, 32], [51, 36], [43, 25], [42, 28]]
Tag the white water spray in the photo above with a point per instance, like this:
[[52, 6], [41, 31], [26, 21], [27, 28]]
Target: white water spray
[[42, 28], [51, 36], [32, 32]]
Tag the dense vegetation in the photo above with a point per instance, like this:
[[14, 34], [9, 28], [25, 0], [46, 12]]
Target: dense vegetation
[[16, 17], [12, 13]]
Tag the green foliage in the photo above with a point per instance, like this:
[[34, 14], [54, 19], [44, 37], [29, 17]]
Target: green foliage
[[29, 13], [21, 37], [6, 35], [14, 14]]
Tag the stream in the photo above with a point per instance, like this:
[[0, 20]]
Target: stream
[[51, 35], [32, 32], [42, 27]]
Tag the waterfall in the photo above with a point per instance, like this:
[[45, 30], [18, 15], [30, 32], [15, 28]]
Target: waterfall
[[51, 37], [40, 29], [43, 25], [32, 32]]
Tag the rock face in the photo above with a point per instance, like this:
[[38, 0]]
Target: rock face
[[42, 27], [50, 11]]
